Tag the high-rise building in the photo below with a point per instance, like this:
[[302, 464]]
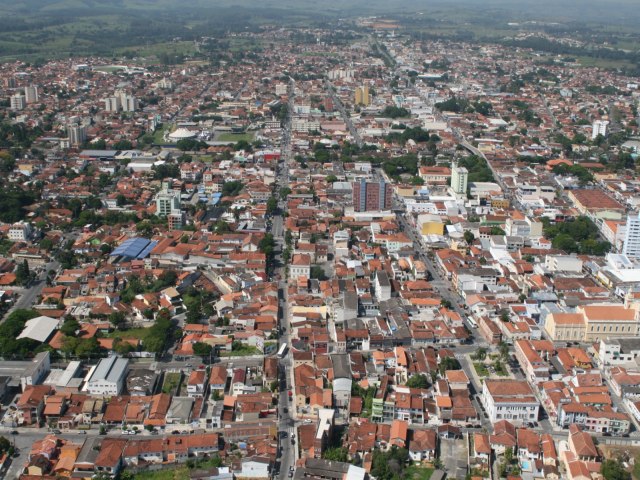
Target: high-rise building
[[631, 245], [112, 104], [18, 102], [128, 102], [77, 134], [459, 179], [31, 93], [168, 205], [362, 96], [599, 127], [371, 196]]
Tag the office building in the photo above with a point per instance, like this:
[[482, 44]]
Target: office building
[[77, 134], [459, 179], [18, 102], [631, 244], [599, 127], [31, 93], [371, 196], [362, 96]]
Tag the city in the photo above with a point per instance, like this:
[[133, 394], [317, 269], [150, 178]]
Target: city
[[342, 253]]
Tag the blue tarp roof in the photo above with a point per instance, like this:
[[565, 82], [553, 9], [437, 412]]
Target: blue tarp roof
[[134, 248]]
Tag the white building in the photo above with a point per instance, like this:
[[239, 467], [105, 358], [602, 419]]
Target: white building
[[31, 93], [112, 104], [631, 245], [511, 400], [20, 232], [563, 263], [77, 134], [459, 179], [382, 286], [18, 102], [618, 351], [300, 266], [167, 201], [599, 127], [108, 377]]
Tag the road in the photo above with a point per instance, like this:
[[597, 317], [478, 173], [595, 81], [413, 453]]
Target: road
[[287, 443], [30, 295], [345, 115]]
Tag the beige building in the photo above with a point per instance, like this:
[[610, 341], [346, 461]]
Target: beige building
[[591, 323]]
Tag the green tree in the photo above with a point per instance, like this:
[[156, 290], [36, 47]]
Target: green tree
[[336, 454], [123, 145], [469, 237], [449, 363], [285, 192], [331, 179], [70, 327], [117, 319], [418, 381], [612, 469], [23, 274], [272, 205], [202, 349]]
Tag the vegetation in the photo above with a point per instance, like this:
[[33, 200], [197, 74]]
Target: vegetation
[[389, 465], [10, 346], [578, 236], [449, 363], [478, 169], [394, 112], [171, 382], [612, 469], [418, 381], [336, 454]]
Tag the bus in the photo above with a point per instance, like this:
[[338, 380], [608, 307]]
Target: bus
[[282, 351]]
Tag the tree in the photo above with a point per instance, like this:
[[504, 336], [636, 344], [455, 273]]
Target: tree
[[418, 381], [480, 354], [187, 144], [612, 469], [5, 445], [117, 319], [285, 192], [70, 327], [317, 272], [469, 237], [272, 205], [449, 363], [123, 145], [23, 275], [503, 348], [331, 179], [202, 349], [336, 454]]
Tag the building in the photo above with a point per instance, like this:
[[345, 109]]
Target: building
[[511, 400], [618, 351], [112, 104], [168, 205], [590, 323], [362, 96], [129, 103], [108, 377], [631, 244], [18, 101], [372, 196], [300, 266], [77, 134], [31, 93], [20, 232], [459, 180], [599, 127]]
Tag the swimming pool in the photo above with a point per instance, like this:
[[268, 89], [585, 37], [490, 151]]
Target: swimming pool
[[526, 465]]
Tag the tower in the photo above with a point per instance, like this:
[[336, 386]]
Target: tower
[[31, 93], [459, 179], [631, 245], [362, 95]]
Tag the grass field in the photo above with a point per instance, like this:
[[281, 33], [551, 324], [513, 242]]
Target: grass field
[[171, 381], [180, 473], [138, 333], [418, 473], [234, 137]]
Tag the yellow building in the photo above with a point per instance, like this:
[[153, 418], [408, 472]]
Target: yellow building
[[362, 96], [591, 323]]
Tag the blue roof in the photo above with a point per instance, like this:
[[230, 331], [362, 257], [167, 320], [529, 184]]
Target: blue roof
[[134, 248]]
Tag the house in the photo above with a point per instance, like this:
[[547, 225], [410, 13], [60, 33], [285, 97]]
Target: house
[[196, 385], [399, 433], [423, 445]]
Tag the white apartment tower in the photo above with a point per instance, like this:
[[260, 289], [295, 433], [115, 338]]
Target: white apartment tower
[[31, 93], [631, 245], [168, 205], [599, 127], [77, 134], [459, 179], [18, 102]]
